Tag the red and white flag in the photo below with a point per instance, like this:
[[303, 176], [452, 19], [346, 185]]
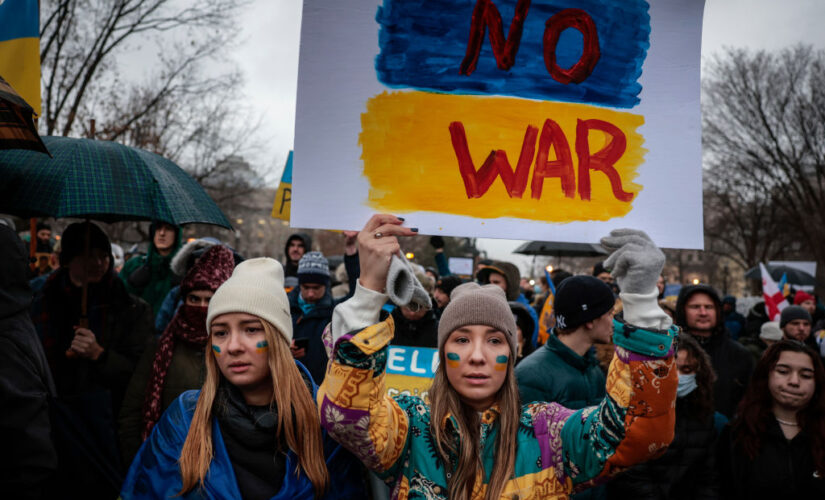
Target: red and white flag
[[774, 299]]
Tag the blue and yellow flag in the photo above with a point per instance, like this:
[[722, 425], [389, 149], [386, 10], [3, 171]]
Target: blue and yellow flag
[[20, 48], [283, 198]]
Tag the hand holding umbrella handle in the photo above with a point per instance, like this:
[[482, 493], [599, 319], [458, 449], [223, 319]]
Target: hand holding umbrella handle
[[82, 323]]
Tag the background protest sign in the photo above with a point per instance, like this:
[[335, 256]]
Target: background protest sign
[[410, 370], [555, 119], [282, 206]]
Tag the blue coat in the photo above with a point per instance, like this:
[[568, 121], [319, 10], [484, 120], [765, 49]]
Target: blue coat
[[155, 473]]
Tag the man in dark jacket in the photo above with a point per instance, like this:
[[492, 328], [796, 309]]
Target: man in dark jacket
[[296, 246], [28, 457], [734, 322], [565, 369], [699, 313], [311, 307]]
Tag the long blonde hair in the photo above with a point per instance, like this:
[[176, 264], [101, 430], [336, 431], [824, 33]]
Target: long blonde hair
[[298, 420], [446, 401]]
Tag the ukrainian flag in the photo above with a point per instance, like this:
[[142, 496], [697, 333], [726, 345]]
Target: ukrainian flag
[[20, 48]]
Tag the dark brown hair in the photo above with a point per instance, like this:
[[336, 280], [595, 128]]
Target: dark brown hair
[[701, 398], [756, 408]]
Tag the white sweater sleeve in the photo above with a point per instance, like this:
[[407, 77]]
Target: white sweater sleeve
[[360, 311], [642, 310]]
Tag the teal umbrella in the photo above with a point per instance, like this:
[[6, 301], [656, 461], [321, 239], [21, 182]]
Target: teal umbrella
[[101, 180]]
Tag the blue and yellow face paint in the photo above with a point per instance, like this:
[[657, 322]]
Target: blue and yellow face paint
[[453, 360], [501, 363], [261, 347], [216, 349]]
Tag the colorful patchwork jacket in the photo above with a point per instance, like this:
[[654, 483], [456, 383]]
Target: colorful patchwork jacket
[[559, 450]]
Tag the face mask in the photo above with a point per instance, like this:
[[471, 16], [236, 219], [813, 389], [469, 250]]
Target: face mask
[[687, 383]]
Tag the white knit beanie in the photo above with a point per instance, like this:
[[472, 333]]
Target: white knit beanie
[[256, 287]]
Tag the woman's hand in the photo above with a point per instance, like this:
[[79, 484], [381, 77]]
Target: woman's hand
[[377, 243]]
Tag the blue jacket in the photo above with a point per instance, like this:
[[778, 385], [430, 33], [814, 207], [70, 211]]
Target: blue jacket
[[155, 473]]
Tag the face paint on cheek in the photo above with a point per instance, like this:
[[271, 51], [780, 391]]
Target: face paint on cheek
[[501, 363], [261, 346], [216, 349], [453, 360]]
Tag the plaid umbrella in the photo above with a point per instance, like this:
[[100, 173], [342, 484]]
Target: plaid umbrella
[[101, 180], [17, 130]]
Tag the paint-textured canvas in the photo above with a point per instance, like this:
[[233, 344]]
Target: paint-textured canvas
[[544, 119]]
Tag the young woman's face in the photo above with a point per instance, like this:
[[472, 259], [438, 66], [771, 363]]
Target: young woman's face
[[476, 360], [791, 381], [241, 350]]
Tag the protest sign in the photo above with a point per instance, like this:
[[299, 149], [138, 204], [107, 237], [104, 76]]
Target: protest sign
[[410, 370], [281, 208], [555, 119]]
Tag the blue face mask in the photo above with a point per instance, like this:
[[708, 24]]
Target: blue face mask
[[687, 383]]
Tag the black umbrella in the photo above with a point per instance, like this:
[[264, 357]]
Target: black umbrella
[[795, 276], [561, 249]]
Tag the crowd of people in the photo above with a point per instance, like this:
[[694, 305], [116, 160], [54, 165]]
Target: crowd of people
[[190, 371]]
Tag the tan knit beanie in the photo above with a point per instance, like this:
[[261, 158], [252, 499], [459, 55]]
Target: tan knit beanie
[[473, 304], [256, 287]]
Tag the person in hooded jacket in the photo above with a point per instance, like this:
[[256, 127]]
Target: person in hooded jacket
[[699, 313], [174, 363], [507, 276], [27, 457], [296, 246], [687, 469], [91, 358], [150, 277]]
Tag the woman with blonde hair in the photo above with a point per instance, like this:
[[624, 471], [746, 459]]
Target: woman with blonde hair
[[252, 431], [475, 440]]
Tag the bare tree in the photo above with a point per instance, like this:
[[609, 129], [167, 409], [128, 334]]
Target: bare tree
[[764, 143]]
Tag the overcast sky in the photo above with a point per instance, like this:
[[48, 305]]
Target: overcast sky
[[269, 59]]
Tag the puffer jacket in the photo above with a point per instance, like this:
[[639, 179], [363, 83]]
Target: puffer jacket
[[555, 373], [559, 449], [687, 469]]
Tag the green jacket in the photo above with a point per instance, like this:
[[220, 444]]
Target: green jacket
[[153, 283], [554, 373], [186, 373]]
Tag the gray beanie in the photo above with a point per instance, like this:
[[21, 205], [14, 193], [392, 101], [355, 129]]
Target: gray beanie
[[791, 313], [256, 287], [313, 268], [473, 304]]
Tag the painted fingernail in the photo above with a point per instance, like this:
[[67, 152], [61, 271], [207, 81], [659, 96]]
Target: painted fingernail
[[414, 229], [402, 219]]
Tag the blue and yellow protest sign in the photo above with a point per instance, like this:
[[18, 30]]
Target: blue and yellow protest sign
[[283, 197], [20, 48], [410, 370], [544, 120]]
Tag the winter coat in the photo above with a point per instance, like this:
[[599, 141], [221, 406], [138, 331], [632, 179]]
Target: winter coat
[[419, 333], [555, 373], [155, 472], [149, 276], [186, 373], [558, 449], [687, 469], [782, 469], [27, 456], [121, 322], [731, 361], [311, 326]]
